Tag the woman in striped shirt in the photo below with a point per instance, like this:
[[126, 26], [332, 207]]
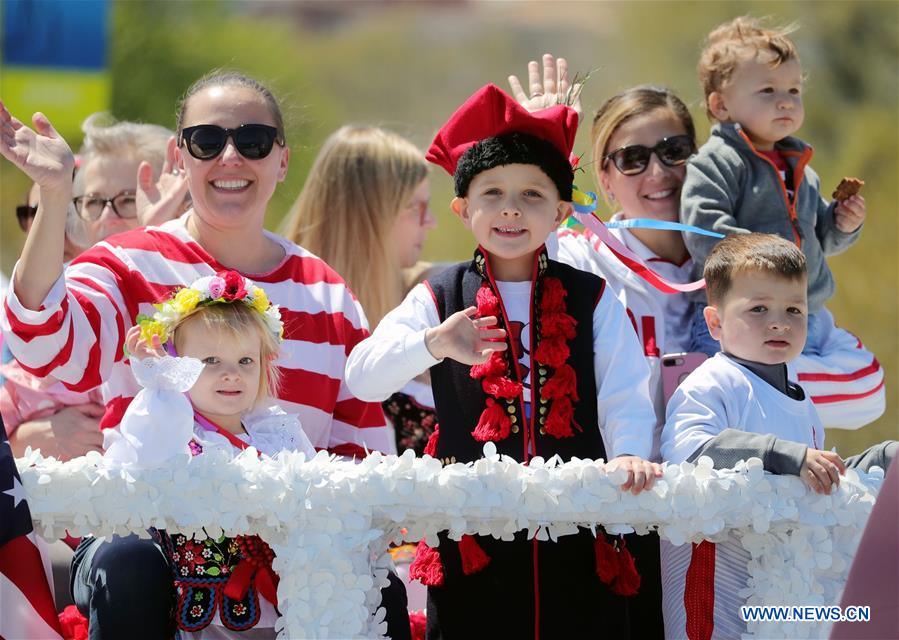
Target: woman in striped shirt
[[72, 324]]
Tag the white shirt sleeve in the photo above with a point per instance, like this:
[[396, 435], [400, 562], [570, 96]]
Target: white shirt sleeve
[[159, 422], [624, 407], [395, 353], [697, 412]]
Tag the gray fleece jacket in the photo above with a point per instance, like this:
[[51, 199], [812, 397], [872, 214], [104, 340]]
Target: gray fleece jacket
[[731, 188]]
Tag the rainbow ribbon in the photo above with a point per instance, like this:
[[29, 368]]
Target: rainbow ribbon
[[585, 213], [649, 223], [631, 260], [583, 201]]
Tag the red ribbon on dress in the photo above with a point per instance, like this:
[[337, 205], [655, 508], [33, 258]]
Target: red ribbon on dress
[[263, 578], [209, 425]]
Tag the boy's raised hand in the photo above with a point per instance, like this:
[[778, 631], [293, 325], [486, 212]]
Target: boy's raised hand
[[850, 213], [464, 338], [553, 88], [139, 348], [41, 153], [641, 474], [821, 470]]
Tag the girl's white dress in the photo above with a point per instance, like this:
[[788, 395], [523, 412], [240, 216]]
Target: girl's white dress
[[159, 425]]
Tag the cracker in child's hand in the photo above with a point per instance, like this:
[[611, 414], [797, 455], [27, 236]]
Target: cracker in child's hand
[[847, 188]]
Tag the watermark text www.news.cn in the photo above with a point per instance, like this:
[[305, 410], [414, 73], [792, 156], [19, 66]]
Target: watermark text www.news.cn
[[787, 613]]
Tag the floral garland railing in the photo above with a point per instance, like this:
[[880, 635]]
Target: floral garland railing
[[328, 521]]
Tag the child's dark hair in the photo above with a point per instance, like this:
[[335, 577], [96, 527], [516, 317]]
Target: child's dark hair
[[514, 148], [226, 78], [750, 252]]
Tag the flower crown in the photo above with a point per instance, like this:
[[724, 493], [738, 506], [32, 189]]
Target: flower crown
[[225, 287]]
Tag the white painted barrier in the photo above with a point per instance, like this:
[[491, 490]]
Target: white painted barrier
[[329, 520]]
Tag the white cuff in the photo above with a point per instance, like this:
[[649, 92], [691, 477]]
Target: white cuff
[[51, 304], [416, 352]]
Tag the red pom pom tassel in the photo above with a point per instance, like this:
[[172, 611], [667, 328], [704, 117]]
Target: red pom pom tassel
[[427, 567], [474, 559], [73, 624], [606, 559], [501, 387], [553, 295], [487, 302], [558, 325], [431, 447], [495, 366], [561, 417], [628, 582], [494, 424], [562, 383], [552, 351]]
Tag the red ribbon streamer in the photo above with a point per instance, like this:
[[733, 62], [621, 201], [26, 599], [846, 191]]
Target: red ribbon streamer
[[632, 261]]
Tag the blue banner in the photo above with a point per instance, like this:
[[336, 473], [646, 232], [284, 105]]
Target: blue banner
[[60, 34]]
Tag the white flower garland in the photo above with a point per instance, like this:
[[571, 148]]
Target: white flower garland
[[327, 520]]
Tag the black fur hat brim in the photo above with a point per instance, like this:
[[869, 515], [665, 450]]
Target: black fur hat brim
[[514, 148]]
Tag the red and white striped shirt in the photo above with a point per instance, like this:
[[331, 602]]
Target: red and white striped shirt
[[77, 335]]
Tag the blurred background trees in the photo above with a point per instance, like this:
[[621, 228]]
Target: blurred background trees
[[407, 65]]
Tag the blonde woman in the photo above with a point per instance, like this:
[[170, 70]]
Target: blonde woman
[[364, 210]]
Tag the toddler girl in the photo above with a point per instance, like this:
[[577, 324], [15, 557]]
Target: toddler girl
[[222, 337]]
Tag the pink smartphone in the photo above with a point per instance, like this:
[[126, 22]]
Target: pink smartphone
[[676, 367]]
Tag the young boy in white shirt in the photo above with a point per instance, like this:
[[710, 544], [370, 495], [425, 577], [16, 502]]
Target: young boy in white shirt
[[562, 373], [740, 404]]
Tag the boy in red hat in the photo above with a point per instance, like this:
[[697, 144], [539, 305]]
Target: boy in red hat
[[530, 354]]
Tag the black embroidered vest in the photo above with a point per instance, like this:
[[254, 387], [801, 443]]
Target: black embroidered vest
[[459, 399]]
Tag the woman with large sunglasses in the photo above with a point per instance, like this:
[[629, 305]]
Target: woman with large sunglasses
[[232, 148]]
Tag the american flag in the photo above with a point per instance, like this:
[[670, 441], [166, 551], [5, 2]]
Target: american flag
[[27, 611]]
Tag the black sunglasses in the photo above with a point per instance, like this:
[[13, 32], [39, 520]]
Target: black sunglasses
[[253, 141], [633, 160], [25, 213]]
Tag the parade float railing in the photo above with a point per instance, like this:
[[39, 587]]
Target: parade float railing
[[328, 520]]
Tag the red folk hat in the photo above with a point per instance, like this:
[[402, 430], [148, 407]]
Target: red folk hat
[[491, 112]]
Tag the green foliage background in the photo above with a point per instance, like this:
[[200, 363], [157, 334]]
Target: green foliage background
[[407, 65]]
